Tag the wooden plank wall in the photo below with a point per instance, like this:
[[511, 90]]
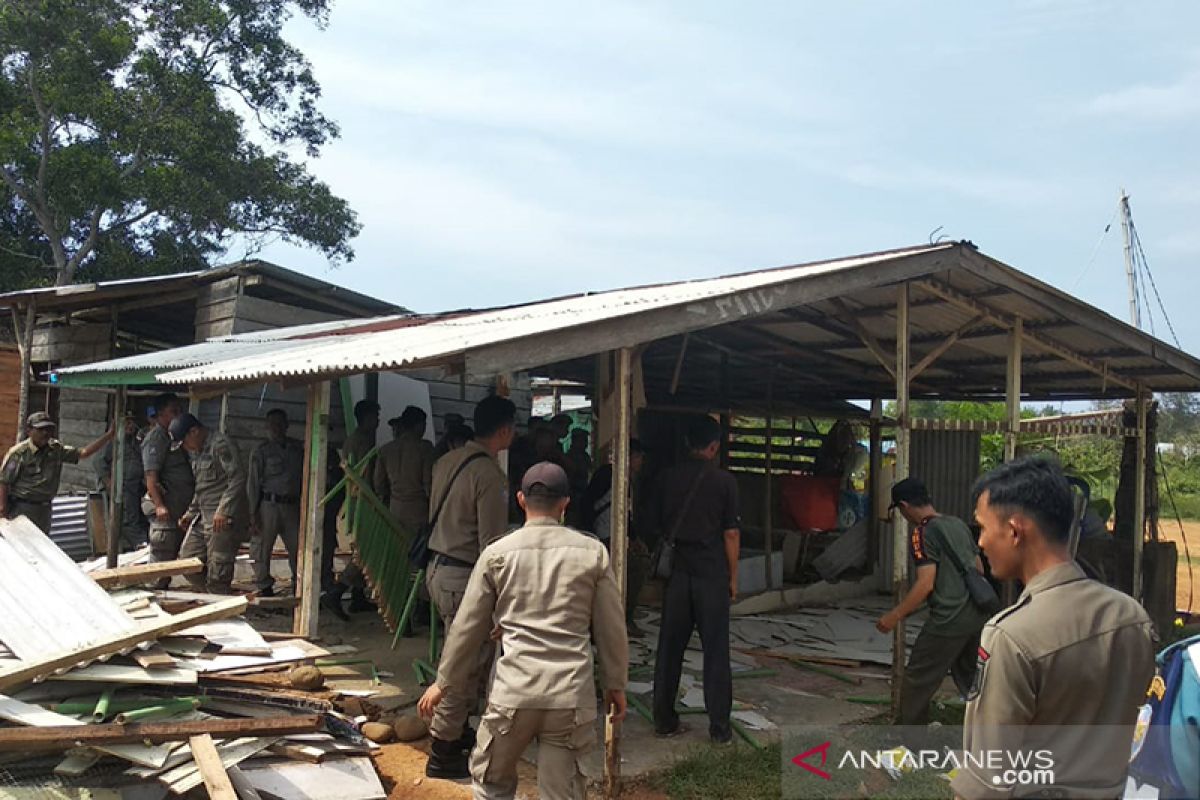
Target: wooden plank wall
[[10, 374], [83, 415], [447, 393]]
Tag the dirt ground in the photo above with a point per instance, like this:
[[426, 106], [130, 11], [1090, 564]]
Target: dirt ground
[[1187, 584]]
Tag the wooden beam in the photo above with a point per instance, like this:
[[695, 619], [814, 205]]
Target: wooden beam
[[874, 486], [308, 568], [679, 363], [951, 295], [848, 316], [937, 352], [899, 525], [212, 771], [768, 507], [620, 536], [23, 671], [1139, 496], [1012, 390], [116, 484], [63, 737], [144, 573]]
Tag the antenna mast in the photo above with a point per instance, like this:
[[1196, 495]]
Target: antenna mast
[[1135, 314]]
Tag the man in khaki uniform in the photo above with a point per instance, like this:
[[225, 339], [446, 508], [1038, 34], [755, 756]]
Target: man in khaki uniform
[[218, 511], [169, 483], [1064, 669], [547, 588], [404, 470], [473, 515], [273, 490], [32, 470], [357, 447]]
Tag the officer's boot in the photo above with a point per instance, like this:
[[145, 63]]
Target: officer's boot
[[467, 741], [331, 601], [446, 760], [359, 601]]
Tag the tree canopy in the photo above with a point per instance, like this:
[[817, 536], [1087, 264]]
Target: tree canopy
[[141, 136]]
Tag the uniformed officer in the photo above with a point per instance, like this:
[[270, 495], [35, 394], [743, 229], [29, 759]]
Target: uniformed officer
[[404, 470], [133, 522], [32, 469], [548, 589], [273, 490], [218, 511], [1064, 669], [472, 492], [357, 447], [169, 483], [452, 423]]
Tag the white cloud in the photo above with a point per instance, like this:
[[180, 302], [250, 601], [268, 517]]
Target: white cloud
[[1176, 100]]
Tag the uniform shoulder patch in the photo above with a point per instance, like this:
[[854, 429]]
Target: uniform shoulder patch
[[1005, 613], [981, 660]]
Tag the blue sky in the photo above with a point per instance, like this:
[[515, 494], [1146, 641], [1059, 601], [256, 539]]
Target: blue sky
[[506, 151]]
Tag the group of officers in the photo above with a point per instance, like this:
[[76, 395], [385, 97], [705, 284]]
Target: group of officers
[[1069, 652]]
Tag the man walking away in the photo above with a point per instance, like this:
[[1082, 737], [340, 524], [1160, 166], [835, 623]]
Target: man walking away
[[470, 503], [404, 470], [169, 483], [547, 588], [273, 491], [357, 447], [32, 470], [699, 511], [948, 641], [218, 511], [1066, 668]]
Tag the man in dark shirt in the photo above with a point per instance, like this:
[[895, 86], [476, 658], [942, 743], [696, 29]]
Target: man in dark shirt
[[696, 504], [949, 640]]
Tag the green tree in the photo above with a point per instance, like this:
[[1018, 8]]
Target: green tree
[[141, 136]]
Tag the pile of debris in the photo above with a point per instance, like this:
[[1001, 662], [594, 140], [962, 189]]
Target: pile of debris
[[155, 693]]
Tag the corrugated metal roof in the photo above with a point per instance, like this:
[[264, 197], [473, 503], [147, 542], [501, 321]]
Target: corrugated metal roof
[[415, 344]]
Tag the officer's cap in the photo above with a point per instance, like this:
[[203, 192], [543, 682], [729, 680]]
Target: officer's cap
[[40, 419], [181, 425], [546, 479]]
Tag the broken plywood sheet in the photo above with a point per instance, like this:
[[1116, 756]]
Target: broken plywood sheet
[[345, 779], [845, 632], [288, 651], [184, 778], [235, 633], [121, 673]]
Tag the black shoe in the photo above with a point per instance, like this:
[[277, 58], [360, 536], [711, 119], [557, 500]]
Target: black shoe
[[721, 738], [446, 760], [332, 602], [267, 592], [679, 728], [467, 741], [359, 602]]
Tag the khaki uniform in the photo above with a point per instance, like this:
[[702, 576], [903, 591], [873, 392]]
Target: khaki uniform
[[178, 486], [474, 515], [220, 489], [1071, 652], [32, 476], [133, 521], [273, 490], [548, 588], [404, 477]]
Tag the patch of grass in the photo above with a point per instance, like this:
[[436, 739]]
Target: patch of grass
[[717, 773]]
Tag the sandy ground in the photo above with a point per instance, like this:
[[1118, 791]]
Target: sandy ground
[[1187, 584]]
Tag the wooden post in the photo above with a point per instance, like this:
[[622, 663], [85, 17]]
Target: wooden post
[[768, 506], [308, 568], [620, 535], [1012, 392], [874, 483], [116, 478], [899, 524], [1139, 497], [24, 336], [1012, 428]]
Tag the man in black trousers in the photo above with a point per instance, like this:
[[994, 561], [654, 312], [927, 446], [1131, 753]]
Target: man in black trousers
[[696, 506]]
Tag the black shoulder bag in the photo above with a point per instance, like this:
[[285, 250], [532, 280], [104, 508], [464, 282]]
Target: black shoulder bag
[[418, 551], [662, 561], [981, 591]]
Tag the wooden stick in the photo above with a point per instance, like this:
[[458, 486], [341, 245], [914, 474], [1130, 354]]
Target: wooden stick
[[29, 670], [145, 573], [62, 737], [212, 771]]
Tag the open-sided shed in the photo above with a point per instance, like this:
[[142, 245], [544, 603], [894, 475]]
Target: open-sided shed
[[940, 321]]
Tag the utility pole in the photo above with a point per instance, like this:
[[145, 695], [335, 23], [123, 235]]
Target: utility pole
[[1135, 314]]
